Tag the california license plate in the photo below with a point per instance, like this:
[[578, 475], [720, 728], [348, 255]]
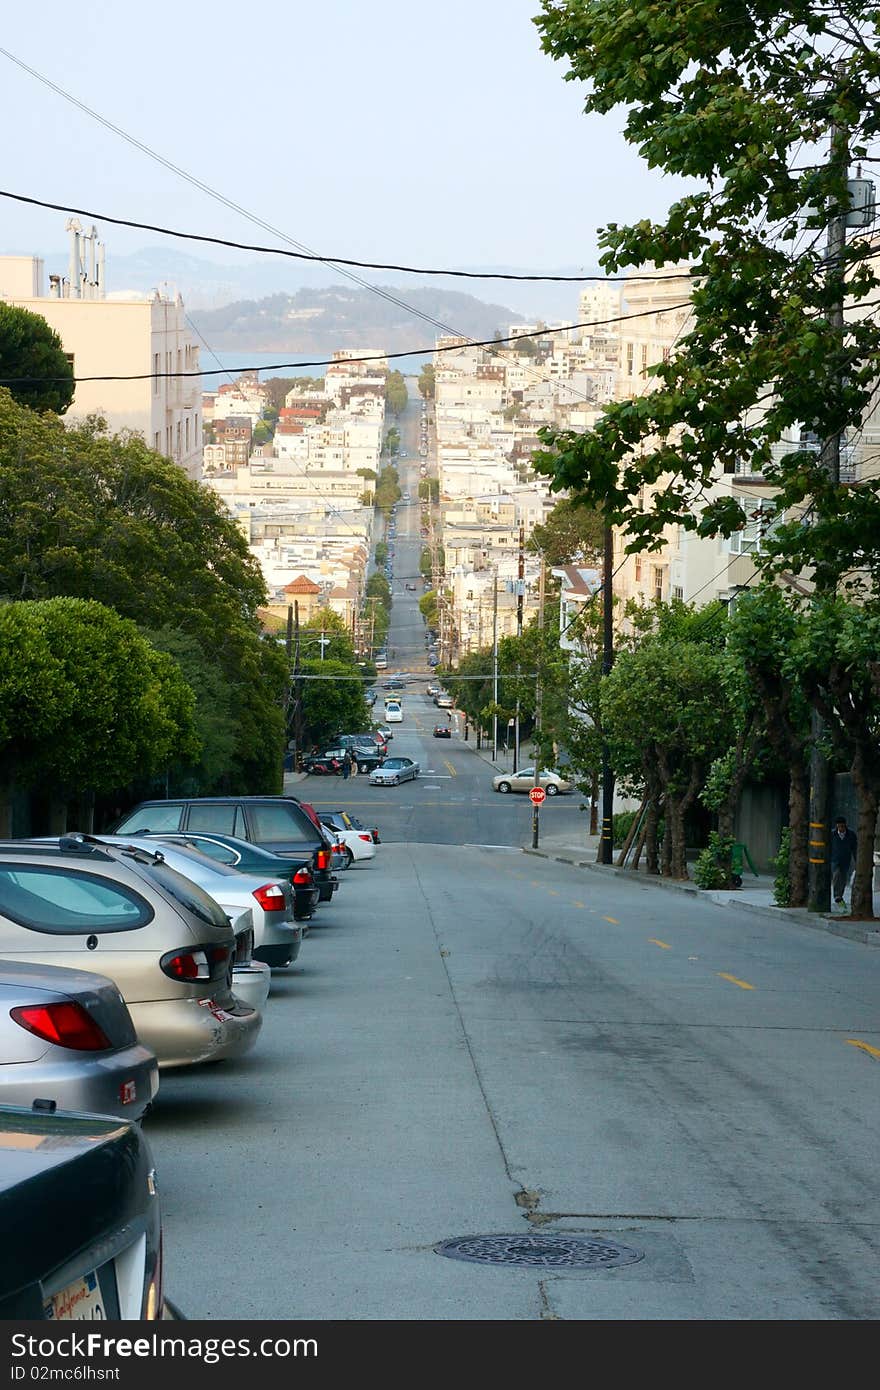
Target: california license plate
[[81, 1301]]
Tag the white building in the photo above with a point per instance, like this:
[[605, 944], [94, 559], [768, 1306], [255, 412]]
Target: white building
[[144, 337]]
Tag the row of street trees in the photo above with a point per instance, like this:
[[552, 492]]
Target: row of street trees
[[763, 107], [137, 599]]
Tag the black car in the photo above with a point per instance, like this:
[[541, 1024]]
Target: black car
[[367, 756], [250, 859], [442, 731], [79, 1212], [275, 823]]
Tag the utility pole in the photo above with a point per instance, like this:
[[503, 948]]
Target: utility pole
[[520, 594], [495, 663], [606, 843], [821, 777], [539, 693], [297, 688]]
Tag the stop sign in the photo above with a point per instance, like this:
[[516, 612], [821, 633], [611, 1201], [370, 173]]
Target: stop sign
[[537, 795]]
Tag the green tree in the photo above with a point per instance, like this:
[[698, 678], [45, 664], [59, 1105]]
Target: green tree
[[125, 708], [429, 489], [835, 658], [392, 440], [387, 489], [396, 394], [263, 432], [761, 635], [86, 514], [332, 700], [33, 364], [573, 534], [214, 717], [728, 95], [377, 586], [381, 553], [426, 381]]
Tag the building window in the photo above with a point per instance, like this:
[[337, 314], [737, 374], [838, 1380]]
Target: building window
[[638, 569], [186, 435], [630, 351], [157, 441], [644, 357], [761, 521], [157, 367], [658, 583], [678, 592]]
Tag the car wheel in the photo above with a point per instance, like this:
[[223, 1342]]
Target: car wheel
[[396, 782], [551, 789], [504, 786], [349, 857]]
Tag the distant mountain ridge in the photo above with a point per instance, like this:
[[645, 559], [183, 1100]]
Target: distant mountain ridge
[[346, 316]]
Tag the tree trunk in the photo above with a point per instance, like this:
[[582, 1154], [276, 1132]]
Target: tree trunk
[[862, 901], [798, 821], [652, 857], [666, 842], [6, 790], [57, 816]]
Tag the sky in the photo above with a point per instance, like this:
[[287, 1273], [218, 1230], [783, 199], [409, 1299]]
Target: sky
[[424, 134]]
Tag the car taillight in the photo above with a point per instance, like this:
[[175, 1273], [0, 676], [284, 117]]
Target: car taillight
[[270, 897], [367, 838], [66, 1024], [322, 859], [197, 964], [302, 878]]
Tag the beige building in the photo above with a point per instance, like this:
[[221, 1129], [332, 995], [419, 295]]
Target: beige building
[[139, 336]]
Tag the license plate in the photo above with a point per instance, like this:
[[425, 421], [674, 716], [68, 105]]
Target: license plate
[[81, 1301]]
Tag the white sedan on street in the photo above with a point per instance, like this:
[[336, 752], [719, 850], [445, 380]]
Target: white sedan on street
[[357, 840], [394, 771]]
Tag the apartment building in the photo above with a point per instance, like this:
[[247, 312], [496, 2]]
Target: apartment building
[[144, 337]]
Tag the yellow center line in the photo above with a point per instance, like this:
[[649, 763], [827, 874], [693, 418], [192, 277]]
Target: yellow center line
[[611, 919], [447, 763], [535, 883], [743, 984], [664, 945], [553, 893], [577, 904], [865, 1047]]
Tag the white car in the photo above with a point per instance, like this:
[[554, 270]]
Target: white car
[[277, 937], [394, 771], [394, 712], [359, 844]]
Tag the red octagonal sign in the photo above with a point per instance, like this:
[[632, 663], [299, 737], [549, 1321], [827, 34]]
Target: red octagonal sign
[[537, 795]]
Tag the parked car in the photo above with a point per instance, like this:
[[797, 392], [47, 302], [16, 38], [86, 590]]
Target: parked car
[[277, 937], [394, 771], [393, 712], [443, 701], [359, 844], [369, 742], [442, 731], [434, 690], [127, 914], [68, 1039], [250, 859], [365, 757], [280, 824], [353, 823], [81, 1221], [411, 588], [523, 781]]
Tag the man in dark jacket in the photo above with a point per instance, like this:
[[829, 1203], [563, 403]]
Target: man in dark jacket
[[843, 858]]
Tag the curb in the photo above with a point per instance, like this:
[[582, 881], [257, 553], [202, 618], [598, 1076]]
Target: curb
[[849, 931]]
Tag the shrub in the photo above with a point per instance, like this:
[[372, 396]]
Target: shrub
[[712, 869], [621, 826]]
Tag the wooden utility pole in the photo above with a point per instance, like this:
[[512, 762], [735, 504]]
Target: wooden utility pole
[[821, 776], [539, 695], [520, 596], [297, 691], [606, 843], [495, 663]]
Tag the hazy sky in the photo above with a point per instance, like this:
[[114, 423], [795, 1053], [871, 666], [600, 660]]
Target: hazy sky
[[428, 134]]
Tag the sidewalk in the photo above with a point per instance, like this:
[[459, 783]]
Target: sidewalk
[[756, 894]]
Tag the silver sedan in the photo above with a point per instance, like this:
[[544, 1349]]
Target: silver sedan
[[523, 781], [67, 1037], [394, 771]]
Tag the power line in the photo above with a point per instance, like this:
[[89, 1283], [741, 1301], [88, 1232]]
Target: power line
[[332, 362], [326, 260]]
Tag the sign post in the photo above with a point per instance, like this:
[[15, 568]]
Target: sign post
[[536, 797]]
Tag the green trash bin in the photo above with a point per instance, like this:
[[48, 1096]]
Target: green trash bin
[[738, 854]]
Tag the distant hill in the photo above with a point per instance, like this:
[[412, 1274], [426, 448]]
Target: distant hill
[[343, 316]]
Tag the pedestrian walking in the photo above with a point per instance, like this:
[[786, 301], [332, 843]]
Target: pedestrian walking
[[346, 764], [843, 859]]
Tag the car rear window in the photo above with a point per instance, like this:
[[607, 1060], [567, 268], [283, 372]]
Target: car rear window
[[67, 902], [165, 816], [224, 854], [222, 818], [188, 894], [282, 823]]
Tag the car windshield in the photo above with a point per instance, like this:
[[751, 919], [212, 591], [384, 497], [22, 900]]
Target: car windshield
[[394, 764], [60, 901]]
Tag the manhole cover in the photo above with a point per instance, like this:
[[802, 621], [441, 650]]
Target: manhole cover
[[540, 1251]]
